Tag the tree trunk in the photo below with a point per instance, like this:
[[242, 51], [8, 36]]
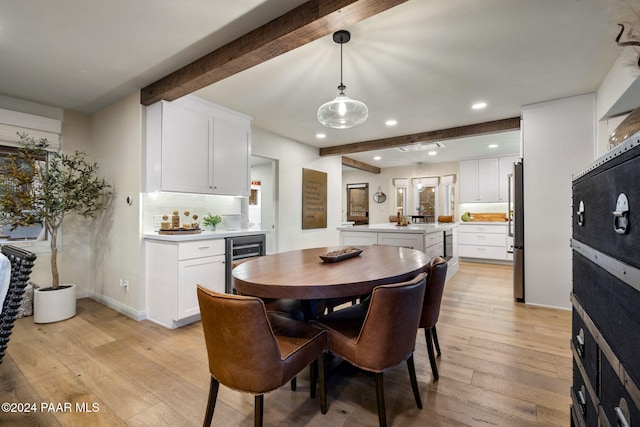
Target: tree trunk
[[54, 258]]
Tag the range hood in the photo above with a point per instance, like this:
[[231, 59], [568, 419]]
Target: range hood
[[421, 146]]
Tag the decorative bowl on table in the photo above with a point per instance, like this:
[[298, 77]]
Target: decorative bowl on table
[[340, 254]]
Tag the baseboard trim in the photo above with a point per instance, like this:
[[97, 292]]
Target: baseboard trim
[[118, 306]]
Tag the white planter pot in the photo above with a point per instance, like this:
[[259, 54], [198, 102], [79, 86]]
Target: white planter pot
[[53, 306]]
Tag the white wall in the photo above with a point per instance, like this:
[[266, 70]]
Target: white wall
[[379, 212], [558, 139], [292, 157], [116, 140]]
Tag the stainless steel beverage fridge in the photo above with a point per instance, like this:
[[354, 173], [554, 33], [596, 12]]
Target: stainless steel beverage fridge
[[516, 229]]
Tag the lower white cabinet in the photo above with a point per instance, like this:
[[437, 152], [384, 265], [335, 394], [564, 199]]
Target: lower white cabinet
[[358, 238], [486, 241], [431, 243], [174, 269], [405, 240], [434, 244]]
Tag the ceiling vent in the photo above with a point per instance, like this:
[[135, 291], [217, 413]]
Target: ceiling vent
[[421, 146]]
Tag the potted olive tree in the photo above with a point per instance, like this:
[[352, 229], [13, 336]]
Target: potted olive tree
[[34, 191]]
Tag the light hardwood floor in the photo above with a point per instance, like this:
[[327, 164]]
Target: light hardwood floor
[[502, 364]]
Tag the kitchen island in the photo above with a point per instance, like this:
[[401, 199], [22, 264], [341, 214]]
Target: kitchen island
[[434, 239]]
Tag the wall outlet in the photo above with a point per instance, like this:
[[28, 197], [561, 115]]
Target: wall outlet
[[157, 222], [125, 284]]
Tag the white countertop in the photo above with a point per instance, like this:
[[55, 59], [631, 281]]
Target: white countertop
[[205, 235], [391, 227]]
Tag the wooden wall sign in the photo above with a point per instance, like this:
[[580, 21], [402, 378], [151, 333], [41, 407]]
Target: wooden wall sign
[[314, 199]]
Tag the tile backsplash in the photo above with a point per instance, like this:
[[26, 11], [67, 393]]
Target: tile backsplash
[[165, 203]]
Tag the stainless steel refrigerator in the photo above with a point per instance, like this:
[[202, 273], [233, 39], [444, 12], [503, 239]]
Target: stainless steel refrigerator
[[516, 229]]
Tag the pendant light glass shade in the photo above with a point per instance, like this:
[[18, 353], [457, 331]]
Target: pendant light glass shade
[[342, 112], [420, 185]]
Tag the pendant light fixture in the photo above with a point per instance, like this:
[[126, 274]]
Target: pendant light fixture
[[420, 186], [342, 112]]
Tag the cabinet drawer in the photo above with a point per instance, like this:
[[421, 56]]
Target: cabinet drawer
[[434, 251], [358, 238], [200, 248], [411, 241], [432, 239], [488, 252], [612, 392], [481, 239], [586, 348], [612, 305], [584, 403], [599, 191], [483, 228]]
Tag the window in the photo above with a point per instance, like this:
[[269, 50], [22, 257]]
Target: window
[[427, 200], [34, 232], [358, 203], [400, 185]]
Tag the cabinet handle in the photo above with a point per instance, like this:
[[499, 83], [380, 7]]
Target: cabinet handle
[[622, 413], [203, 247], [580, 343], [580, 213], [620, 220], [582, 401]]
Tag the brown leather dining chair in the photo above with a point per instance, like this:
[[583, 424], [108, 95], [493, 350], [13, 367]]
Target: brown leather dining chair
[[431, 308], [253, 351], [380, 333]]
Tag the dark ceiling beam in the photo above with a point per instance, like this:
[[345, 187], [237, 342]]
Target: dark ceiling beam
[[346, 161], [306, 23], [496, 126]]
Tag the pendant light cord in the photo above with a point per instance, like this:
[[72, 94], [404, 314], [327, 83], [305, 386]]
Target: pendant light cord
[[342, 87]]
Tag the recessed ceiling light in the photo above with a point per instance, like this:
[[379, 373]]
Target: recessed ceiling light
[[391, 122], [321, 135], [479, 105], [432, 153], [377, 158], [493, 146]]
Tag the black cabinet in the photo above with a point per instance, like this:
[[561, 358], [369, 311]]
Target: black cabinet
[[606, 290]]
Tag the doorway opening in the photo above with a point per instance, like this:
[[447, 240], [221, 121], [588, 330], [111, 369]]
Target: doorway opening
[[262, 209]]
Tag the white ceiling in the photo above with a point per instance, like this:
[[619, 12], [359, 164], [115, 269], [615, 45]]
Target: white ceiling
[[422, 63]]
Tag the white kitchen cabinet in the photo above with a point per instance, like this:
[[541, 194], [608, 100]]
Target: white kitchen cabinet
[[485, 180], [479, 180], [174, 269], [468, 181], [405, 240], [484, 241], [434, 244], [431, 243], [231, 156], [186, 144], [358, 238], [194, 146]]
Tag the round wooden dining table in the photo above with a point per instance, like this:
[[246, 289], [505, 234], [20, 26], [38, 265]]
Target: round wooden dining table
[[302, 274]]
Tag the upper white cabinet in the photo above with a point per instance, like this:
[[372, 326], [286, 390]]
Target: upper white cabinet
[[479, 180], [194, 146], [485, 180]]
